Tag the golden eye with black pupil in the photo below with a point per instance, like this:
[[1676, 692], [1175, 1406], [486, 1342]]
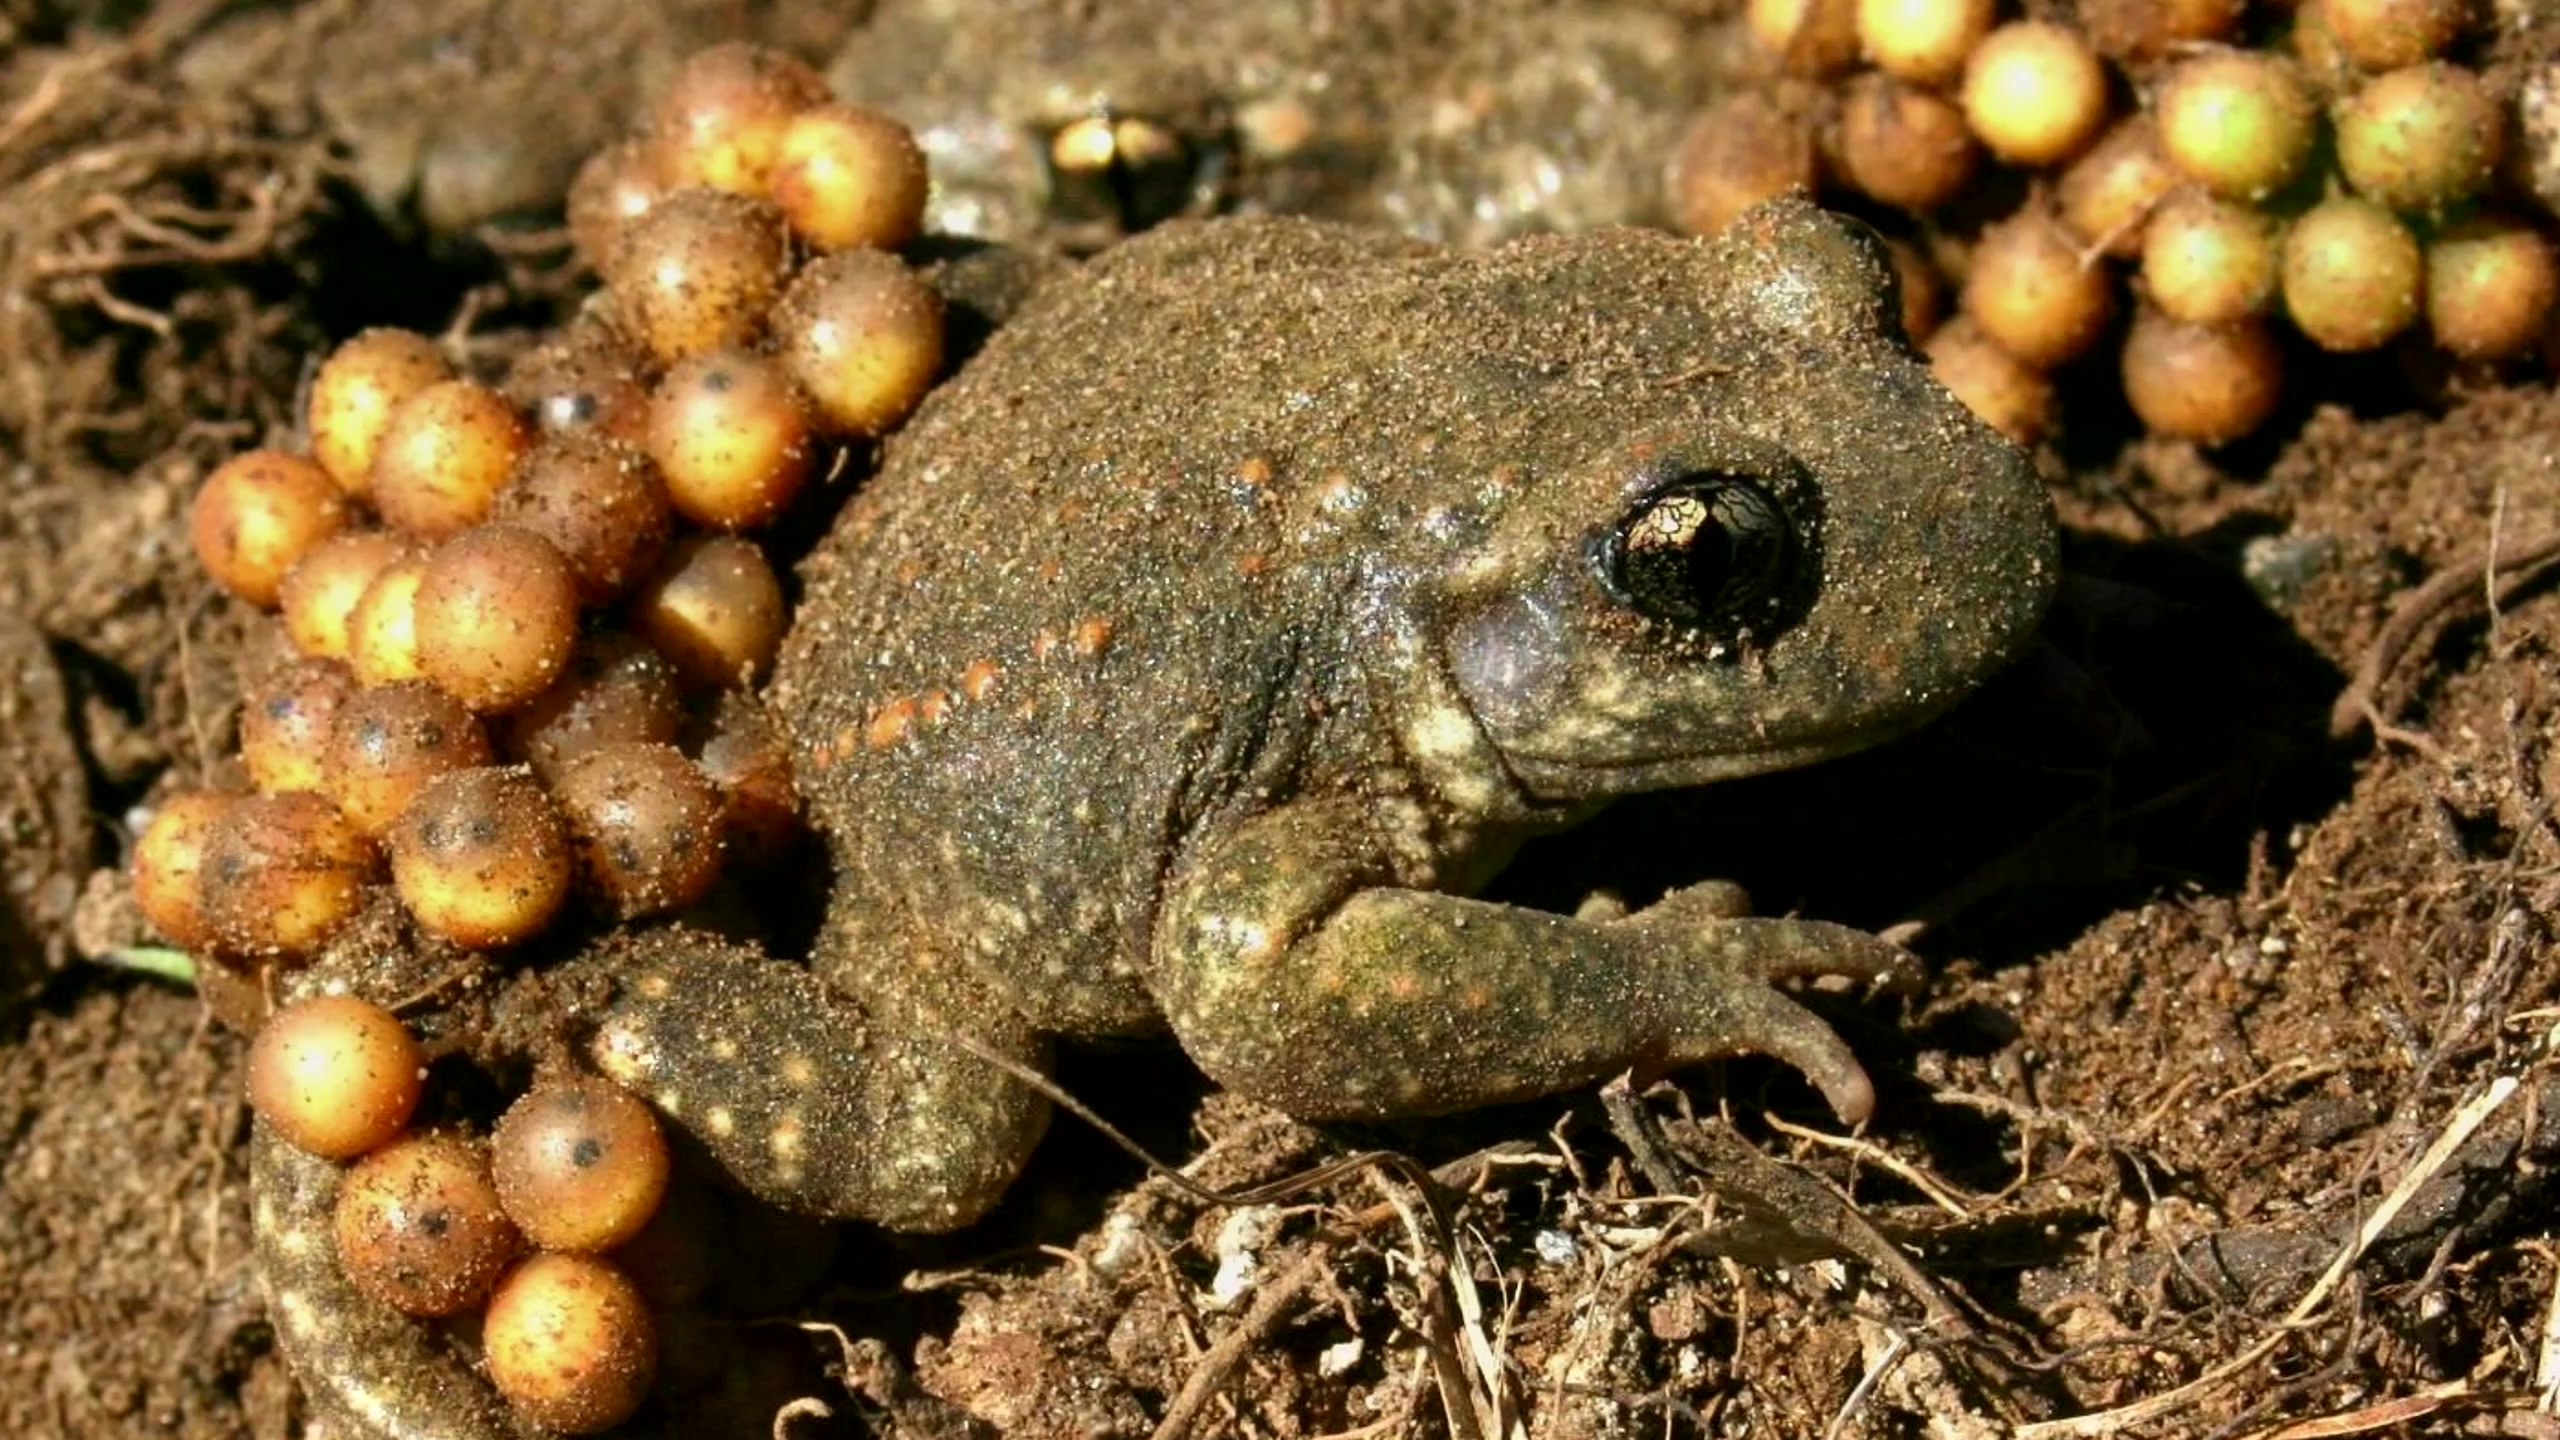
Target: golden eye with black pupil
[[1124, 170], [1702, 550]]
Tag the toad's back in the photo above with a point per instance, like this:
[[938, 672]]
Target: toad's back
[[1090, 602], [1104, 587]]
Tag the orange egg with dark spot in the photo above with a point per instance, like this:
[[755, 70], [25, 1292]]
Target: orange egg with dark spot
[[281, 874], [419, 1226], [388, 741], [615, 688], [497, 615], [168, 860], [285, 720], [600, 503], [481, 858], [731, 436], [588, 381], [580, 1163], [646, 823]]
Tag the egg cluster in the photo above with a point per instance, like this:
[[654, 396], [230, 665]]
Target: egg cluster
[[2319, 162], [546, 1224], [515, 606], [526, 615]]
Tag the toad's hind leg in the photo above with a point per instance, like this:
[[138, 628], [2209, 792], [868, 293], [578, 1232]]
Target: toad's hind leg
[[876, 1111], [370, 1371], [809, 1100]]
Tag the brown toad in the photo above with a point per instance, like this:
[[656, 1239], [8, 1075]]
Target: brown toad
[[1228, 620]]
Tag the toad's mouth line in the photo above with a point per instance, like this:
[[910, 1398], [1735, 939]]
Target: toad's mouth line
[[1554, 778]]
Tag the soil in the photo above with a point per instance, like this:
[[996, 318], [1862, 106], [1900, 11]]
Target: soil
[[2229, 1107]]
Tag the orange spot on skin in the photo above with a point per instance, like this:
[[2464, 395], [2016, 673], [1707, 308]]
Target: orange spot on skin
[[1252, 563], [1049, 570], [935, 707], [1255, 471], [1403, 985], [1092, 633], [978, 679], [891, 722]]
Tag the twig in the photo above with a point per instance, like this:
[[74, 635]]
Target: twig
[[2457, 1130], [175, 966], [1208, 1379], [2507, 568], [1939, 1192], [2546, 1368], [2393, 1413], [1885, 1365], [1461, 1402]]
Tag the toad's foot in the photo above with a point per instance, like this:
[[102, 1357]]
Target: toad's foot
[[1701, 935], [1294, 969], [871, 1111]]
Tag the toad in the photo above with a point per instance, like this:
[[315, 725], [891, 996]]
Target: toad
[[1202, 646]]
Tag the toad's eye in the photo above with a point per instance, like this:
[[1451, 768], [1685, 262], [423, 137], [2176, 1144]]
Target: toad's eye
[[1703, 550], [1126, 171]]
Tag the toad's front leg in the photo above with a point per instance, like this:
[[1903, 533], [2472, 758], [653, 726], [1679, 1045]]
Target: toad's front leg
[[1293, 968]]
